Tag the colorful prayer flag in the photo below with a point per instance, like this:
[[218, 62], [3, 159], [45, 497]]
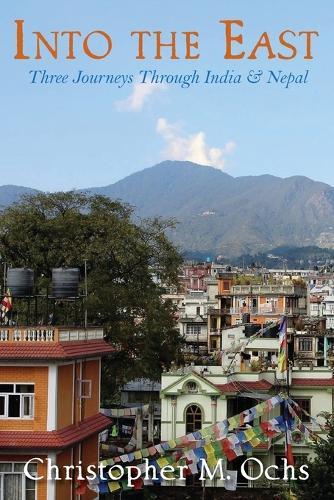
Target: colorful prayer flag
[[282, 357]]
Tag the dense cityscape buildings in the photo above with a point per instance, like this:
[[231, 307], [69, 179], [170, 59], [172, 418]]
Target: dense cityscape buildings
[[229, 320]]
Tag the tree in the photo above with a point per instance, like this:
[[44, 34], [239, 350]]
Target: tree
[[320, 484], [66, 229]]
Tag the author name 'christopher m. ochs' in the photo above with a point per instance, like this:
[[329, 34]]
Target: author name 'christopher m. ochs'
[[149, 472]]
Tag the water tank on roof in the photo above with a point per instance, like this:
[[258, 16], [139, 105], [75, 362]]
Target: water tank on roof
[[20, 281], [65, 282]]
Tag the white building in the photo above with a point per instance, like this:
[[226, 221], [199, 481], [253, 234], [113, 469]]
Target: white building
[[328, 311], [197, 397], [193, 315]]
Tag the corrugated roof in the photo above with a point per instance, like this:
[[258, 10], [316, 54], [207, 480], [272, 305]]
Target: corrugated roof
[[312, 382], [54, 350], [54, 439], [242, 386]]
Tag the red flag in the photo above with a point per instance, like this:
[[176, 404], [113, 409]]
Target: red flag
[[6, 304], [81, 486], [288, 448]]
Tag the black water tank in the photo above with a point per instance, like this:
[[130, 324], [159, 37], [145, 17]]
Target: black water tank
[[251, 329], [65, 282], [20, 281]]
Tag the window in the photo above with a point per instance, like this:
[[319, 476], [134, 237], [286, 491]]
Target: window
[[198, 310], [193, 329], [304, 404], [14, 484], [84, 389], [17, 401], [213, 344], [226, 285], [193, 418], [191, 387], [305, 345]]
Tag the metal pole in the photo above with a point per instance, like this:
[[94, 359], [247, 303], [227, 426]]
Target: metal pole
[[151, 423], [4, 277], [139, 433], [86, 293]]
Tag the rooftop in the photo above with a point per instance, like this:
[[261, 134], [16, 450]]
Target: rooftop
[[244, 386], [313, 382], [54, 350], [54, 439], [49, 333], [294, 290]]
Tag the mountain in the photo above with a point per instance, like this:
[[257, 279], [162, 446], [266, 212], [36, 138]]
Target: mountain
[[223, 215], [220, 214], [10, 194]]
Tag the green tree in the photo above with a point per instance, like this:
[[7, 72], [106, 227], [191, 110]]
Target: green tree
[[122, 256], [320, 484]]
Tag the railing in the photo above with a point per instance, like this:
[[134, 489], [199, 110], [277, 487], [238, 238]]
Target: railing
[[28, 335], [191, 316], [268, 289], [193, 337], [48, 334], [66, 335], [267, 310], [215, 312]]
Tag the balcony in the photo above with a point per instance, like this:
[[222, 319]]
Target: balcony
[[49, 334], [268, 290], [268, 310], [218, 312], [193, 338], [215, 331]]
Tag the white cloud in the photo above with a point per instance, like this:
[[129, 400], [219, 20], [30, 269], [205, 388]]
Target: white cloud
[[191, 147], [139, 96]]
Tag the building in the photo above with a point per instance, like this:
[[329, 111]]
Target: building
[[140, 392], [264, 303], [316, 307], [193, 317], [316, 298], [192, 276], [197, 396], [49, 406], [328, 310], [313, 349], [219, 317]]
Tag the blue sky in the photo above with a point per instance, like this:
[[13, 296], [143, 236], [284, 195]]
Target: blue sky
[[61, 137]]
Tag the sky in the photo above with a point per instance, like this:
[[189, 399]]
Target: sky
[[65, 136]]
